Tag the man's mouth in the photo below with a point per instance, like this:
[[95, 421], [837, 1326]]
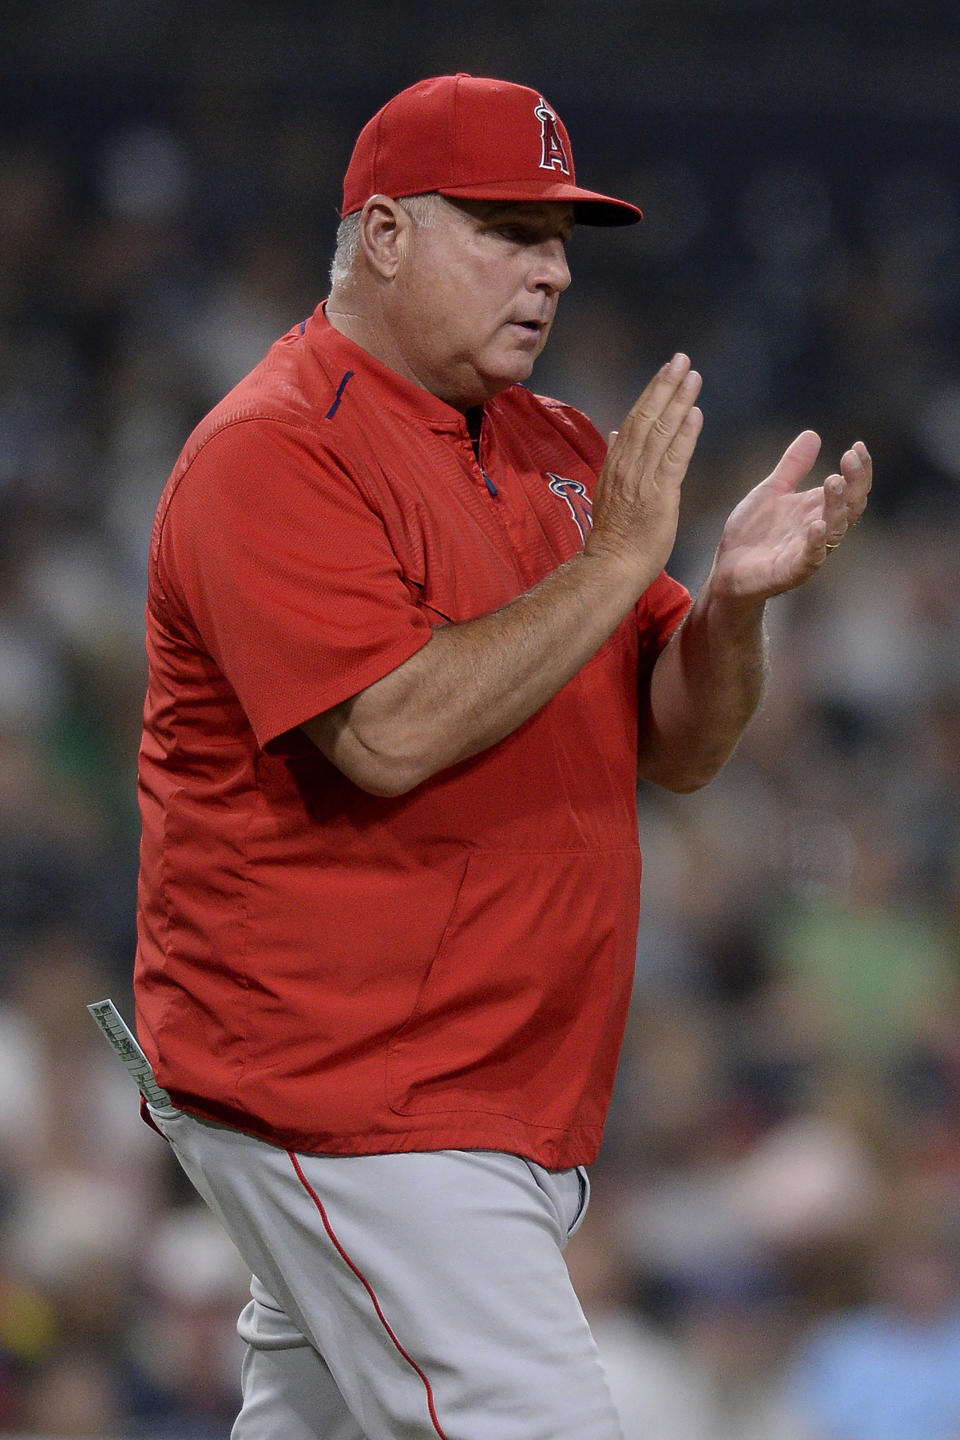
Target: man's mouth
[[532, 327]]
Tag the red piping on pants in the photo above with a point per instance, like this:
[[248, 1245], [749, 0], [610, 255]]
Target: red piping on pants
[[369, 1289]]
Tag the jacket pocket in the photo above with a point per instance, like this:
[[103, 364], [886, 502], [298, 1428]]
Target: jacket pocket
[[522, 1010]]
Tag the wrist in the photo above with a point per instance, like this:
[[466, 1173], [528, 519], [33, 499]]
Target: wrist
[[724, 605], [620, 572]]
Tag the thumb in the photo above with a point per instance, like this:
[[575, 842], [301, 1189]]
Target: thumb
[[612, 439], [796, 461]]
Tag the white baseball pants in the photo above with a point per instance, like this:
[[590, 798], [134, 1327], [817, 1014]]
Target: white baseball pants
[[402, 1297]]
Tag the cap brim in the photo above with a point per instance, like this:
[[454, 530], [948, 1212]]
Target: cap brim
[[590, 207]]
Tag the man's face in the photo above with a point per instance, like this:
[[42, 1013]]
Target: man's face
[[478, 293]]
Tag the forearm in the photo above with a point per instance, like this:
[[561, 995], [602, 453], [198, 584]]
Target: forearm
[[474, 683], [708, 681], [705, 686]]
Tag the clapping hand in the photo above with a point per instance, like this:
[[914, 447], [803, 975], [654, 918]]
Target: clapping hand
[[779, 535]]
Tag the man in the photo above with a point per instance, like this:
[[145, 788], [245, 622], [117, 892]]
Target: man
[[411, 644]]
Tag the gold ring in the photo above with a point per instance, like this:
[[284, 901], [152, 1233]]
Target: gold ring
[[832, 547]]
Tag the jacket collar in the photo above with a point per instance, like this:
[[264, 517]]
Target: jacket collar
[[338, 354]]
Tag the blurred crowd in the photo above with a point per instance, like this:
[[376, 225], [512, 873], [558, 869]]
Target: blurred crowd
[[773, 1249]]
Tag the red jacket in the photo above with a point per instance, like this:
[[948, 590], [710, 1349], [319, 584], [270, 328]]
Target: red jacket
[[332, 970]]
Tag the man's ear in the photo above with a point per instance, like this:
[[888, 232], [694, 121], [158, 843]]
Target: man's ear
[[384, 231]]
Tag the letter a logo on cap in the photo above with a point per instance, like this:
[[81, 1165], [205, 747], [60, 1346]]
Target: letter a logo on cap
[[553, 156]]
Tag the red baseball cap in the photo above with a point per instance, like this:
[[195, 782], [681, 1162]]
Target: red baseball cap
[[472, 139]]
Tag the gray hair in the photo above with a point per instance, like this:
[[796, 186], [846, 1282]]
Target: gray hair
[[422, 210]]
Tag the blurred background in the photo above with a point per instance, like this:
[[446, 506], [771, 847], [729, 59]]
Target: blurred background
[[772, 1251]]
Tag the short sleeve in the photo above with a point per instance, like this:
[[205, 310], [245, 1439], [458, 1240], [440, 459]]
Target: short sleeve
[[273, 553], [660, 611]]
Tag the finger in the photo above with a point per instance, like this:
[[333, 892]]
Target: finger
[[834, 516], [796, 462], [680, 450], [857, 470], [644, 438], [857, 465], [655, 397], [818, 545], [863, 454], [668, 424]]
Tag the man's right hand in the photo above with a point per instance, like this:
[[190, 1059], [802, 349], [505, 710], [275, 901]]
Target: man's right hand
[[637, 499]]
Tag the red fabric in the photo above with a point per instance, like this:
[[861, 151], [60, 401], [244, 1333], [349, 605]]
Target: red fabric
[[332, 970]]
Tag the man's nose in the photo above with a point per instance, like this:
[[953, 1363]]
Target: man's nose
[[551, 271]]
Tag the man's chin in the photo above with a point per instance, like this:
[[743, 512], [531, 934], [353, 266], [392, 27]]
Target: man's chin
[[485, 384], [515, 370]]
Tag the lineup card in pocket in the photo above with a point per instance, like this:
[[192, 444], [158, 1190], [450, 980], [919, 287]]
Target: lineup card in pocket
[[124, 1045]]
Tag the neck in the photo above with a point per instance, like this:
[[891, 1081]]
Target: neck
[[368, 326], [352, 319]]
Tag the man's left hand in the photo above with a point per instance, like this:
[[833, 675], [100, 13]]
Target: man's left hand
[[778, 536]]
